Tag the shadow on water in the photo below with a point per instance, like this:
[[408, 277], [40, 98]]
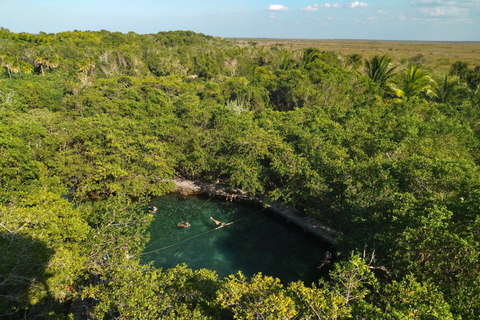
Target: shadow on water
[[22, 273], [257, 241]]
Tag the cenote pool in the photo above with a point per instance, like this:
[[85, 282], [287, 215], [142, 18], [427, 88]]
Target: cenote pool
[[256, 241]]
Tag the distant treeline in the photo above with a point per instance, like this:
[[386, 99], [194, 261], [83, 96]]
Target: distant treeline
[[92, 124]]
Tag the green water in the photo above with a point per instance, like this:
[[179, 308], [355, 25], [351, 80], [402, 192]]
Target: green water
[[257, 241]]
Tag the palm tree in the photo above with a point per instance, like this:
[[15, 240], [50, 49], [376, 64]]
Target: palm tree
[[413, 82], [87, 65], [354, 60], [286, 62], [8, 64], [458, 69], [379, 70], [40, 63], [309, 55], [15, 68], [472, 77], [445, 91], [46, 59], [474, 95]]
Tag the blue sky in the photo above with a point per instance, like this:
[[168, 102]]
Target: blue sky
[[422, 20]]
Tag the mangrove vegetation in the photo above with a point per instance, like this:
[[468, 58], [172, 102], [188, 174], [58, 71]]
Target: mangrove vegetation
[[94, 124]]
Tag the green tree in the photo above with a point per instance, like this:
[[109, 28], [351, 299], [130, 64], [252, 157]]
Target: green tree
[[309, 55], [103, 156], [354, 60], [379, 69], [206, 66], [446, 91], [262, 297], [472, 77], [141, 292], [290, 90], [8, 63], [286, 62], [410, 299], [42, 254], [439, 249], [412, 82], [459, 68], [343, 297], [474, 95]]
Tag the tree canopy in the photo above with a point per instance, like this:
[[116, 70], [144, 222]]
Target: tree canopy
[[94, 124]]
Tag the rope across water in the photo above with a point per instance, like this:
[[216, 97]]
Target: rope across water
[[200, 234], [173, 229]]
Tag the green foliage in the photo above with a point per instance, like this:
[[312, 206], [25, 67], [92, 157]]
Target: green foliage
[[459, 68], [341, 298], [28, 148], [42, 253], [102, 156], [309, 55], [438, 249], [118, 232], [410, 299], [446, 91], [412, 82], [290, 90], [260, 298], [379, 70], [140, 292], [110, 117], [354, 61]]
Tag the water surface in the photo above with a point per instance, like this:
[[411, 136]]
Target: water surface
[[256, 241]]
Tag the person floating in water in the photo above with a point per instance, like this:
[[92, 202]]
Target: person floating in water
[[184, 225], [219, 223], [154, 210], [327, 258]]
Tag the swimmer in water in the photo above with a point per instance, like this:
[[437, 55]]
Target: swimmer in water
[[184, 225], [219, 223], [154, 210]]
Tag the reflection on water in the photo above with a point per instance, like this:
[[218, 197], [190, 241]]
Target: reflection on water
[[255, 242]]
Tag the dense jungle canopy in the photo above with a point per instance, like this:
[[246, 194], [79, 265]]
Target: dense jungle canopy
[[378, 150]]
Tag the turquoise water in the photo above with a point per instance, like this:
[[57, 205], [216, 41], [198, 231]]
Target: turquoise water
[[256, 241]]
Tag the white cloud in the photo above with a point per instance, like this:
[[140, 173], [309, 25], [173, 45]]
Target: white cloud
[[313, 7], [358, 4], [429, 1], [328, 5], [445, 11], [355, 4], [331, 19], [460, 4], [277, 7]]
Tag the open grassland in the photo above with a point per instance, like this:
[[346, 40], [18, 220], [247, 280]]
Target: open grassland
[[438, 56]]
